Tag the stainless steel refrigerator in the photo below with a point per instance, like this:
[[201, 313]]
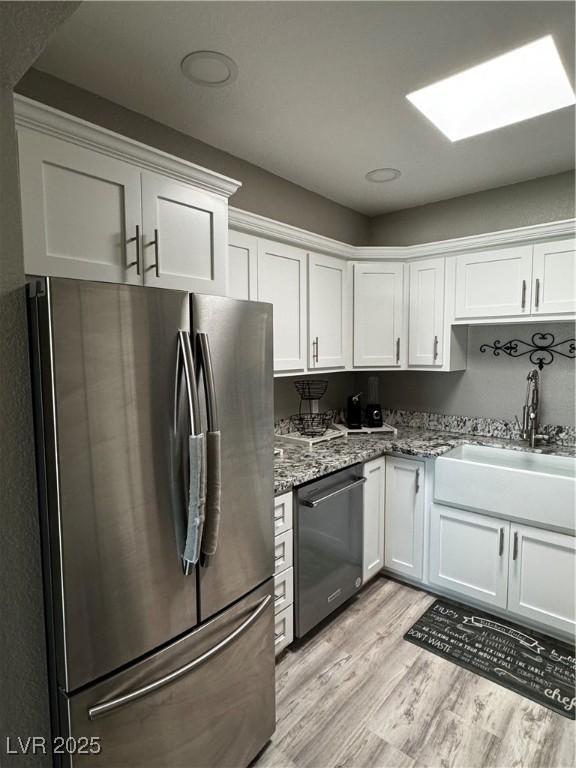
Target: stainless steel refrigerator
[[157, 658]]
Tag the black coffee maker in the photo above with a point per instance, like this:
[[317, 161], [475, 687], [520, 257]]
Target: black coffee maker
[[354, 412], [373, 409]]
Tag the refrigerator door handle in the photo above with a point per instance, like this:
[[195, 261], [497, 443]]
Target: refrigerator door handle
[[185, 360], [208, 371], [185, 363], [108, 706], [213, 447]]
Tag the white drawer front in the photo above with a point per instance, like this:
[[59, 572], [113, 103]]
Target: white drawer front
[[283, 590], [283, 629], [282, 513], [282, 552]]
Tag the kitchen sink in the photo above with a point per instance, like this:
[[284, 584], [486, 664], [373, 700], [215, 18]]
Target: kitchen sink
[[532, 487]]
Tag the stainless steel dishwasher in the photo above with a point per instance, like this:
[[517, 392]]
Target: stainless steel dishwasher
[[328, 539]]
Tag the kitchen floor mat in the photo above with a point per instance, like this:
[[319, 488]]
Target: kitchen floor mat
[[527, 662]]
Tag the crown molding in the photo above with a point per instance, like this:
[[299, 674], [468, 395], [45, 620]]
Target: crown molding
[[261, 226], [44, 119], [254, 224]]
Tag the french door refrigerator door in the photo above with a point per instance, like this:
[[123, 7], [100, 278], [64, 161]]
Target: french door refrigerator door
[[206, 701], [236, 390], [105, 356]]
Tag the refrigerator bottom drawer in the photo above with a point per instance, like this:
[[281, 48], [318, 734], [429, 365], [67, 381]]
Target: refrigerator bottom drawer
[[205, 701]]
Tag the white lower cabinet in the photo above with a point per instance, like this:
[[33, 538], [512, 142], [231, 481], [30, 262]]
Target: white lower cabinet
[[283, 572], [404, 517], [283, 590], [469, 554], [542, 576], [374, 497], [283, 629]]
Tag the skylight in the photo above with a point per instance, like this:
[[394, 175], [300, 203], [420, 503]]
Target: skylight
[[516, 86]]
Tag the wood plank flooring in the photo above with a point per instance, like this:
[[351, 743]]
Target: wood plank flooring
[[356, 695]]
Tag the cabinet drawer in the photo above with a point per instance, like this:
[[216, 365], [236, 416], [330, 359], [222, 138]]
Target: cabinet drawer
[[282, 513], [283, 590], [283, 629], [282, 552]]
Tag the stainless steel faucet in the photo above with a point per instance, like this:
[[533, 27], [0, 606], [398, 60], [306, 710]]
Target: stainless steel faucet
[[530, 411]]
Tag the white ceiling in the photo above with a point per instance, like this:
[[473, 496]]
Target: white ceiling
[[320, 95]]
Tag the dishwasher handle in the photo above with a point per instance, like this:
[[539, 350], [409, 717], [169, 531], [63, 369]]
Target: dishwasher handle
[[316, 502]]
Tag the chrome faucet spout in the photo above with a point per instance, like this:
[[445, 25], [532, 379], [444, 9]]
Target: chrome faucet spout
[[530, 411]]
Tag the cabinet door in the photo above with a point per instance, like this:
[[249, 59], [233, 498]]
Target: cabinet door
[[469, 554], [282, 282], [80, 211], [378, 299], [241, 279], [426, 334], [327, 311], [554, 290], [374, 489], [185, 236], [404, 516], [494, 284], [542, 575]]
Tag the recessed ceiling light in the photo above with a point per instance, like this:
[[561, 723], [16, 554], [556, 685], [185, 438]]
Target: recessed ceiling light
[[381, 175], [516, 86], [210, 68]]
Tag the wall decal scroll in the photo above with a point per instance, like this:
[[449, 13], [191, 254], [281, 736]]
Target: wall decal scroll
[[541, 350]]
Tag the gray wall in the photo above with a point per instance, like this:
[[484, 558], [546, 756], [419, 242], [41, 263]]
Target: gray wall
[[550, 198], [261, 192], [490, 386], [24, 30]]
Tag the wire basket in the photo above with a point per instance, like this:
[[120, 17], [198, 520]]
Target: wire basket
[[311, 389], [312, 424]]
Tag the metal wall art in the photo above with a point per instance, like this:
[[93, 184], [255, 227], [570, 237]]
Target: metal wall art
[[541, 350]]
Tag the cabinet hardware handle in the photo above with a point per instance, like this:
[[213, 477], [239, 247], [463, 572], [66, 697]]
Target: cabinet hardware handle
[[523, 294], [156, 244], [398, 349], [435, 347], [135, 239], [501, 544], [315, 350], [417, 480], [515, 549], [537, 299]]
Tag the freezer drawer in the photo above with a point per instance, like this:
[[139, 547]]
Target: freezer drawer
[[206, 700]]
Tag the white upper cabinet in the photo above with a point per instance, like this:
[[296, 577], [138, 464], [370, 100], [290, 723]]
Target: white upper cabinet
[[404, 517], [327, 312], [378, 314], [554, 275], [81, 211], [469, 554], [242, 279], [184, 236], [542, 576], [374, 498], [99, 206], [497, 283], [282, 282], [426, 323]]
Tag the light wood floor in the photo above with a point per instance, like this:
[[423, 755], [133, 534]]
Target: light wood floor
[[356, 695]]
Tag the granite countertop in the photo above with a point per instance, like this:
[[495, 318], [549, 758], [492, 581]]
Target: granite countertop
[[299, 465]]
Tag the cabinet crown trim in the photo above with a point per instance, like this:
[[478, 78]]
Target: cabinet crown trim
[[262, 226], [44, 119]]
